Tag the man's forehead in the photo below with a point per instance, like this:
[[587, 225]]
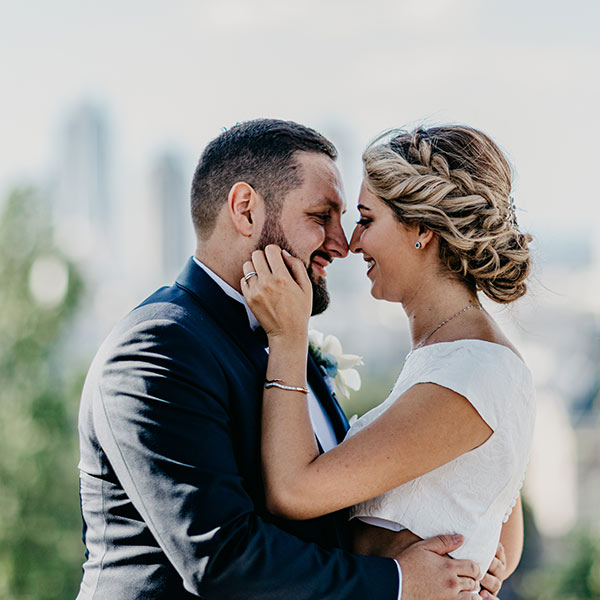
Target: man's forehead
[[320, 170]]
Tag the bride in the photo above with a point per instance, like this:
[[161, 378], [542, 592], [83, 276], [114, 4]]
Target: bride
[[446, 452]]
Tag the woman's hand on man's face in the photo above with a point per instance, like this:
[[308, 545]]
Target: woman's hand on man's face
[[280, 294]]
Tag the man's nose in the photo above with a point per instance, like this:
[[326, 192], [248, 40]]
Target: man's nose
[[336, 243], [355, 241]]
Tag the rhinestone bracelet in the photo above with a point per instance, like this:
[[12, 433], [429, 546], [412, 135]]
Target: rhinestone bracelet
[[278, 383]]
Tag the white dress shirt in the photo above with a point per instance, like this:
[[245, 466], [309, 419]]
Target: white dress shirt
[[320, 421]]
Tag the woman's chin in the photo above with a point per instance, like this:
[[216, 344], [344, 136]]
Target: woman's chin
[[375, 292]]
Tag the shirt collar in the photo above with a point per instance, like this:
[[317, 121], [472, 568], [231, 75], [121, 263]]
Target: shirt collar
[[231, 292]]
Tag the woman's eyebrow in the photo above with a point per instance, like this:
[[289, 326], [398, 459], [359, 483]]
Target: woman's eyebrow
[[363, 207]]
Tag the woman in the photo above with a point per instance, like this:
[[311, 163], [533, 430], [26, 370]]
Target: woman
[[446, 452]]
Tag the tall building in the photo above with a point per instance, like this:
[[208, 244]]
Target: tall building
[[170, 204], [83, 205]]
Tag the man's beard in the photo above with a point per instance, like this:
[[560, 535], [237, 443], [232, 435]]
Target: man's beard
[[272, 233]]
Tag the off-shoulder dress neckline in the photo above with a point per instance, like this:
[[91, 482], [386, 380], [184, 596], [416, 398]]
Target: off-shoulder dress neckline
[[469, 340]]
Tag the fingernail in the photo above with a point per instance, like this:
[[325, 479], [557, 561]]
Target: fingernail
[[286, 252], [457, 539], [484, 595]]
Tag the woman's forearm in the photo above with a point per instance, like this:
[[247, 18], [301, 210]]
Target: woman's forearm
[[288, 441], [512, 538]]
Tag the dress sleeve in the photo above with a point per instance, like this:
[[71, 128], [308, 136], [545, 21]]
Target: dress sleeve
[[475, 372]]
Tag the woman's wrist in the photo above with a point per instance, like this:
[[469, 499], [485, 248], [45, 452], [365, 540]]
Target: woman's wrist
[[287, 359], [288, 341]]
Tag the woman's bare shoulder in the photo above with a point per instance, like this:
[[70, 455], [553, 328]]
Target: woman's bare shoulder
[[481, 327]]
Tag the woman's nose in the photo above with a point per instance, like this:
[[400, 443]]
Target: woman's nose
[[355, 241]]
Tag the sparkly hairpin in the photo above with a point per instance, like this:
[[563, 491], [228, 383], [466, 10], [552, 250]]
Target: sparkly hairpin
[[511, 215]]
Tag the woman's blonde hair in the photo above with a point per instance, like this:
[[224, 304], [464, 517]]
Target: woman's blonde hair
[[455, 181]]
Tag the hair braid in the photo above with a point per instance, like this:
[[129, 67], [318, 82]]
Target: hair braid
[[455, 181]]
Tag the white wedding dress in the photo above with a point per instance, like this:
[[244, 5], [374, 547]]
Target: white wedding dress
[[473, 494]]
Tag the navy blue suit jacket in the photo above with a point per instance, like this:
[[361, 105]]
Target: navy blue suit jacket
[[170, 472]]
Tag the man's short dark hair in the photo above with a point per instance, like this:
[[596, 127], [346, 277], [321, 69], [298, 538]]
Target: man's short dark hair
[[260, 153]]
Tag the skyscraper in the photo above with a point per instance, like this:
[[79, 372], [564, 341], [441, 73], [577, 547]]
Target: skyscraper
[[83, 205], [169, 197]]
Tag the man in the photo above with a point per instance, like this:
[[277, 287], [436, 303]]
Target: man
[[171, 488]]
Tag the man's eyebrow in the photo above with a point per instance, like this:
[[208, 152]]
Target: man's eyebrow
[[332, 204]]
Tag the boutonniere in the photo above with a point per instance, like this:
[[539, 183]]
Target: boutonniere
[[337, 367]]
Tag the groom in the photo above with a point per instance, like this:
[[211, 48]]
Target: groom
[[170, 472]]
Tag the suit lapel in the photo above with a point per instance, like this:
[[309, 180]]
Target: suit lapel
[[233, 319], [227, 312], [328, 402]]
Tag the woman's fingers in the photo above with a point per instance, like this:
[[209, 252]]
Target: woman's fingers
[[248, 267], [261, 266], [273, 257], [298, 270], [491, 580], [284, 265], [501, 555]]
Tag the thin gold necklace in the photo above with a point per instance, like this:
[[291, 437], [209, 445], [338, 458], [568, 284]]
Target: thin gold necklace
[[460, 312]]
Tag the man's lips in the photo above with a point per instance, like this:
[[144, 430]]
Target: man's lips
[[319, 264]]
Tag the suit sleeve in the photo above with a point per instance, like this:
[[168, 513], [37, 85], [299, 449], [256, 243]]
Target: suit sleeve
[[160, 413]]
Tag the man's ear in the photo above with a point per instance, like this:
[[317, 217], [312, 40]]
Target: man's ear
[[243, 203]]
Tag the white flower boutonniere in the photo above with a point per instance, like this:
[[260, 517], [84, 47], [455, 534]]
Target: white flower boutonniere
[[337, 367]]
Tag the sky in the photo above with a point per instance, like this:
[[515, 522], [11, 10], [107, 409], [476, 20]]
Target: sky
[[173, 74]]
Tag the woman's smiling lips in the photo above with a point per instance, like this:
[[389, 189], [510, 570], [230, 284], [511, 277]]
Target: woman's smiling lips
[[370, 264]]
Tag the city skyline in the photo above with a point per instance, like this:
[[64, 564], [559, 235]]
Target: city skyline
[[198, 67]]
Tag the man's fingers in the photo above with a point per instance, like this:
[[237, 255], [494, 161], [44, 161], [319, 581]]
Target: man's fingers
[[443, 544], [467, 568], [468, 584]]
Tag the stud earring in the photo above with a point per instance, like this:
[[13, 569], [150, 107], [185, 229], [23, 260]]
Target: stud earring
[[418, 245]]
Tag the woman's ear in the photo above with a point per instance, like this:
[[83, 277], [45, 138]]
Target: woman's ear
[[243, 203], [424, 237]]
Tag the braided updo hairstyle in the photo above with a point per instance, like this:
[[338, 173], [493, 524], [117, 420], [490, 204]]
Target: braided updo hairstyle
[[455, 181]]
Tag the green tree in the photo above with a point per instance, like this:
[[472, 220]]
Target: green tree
[[40, 527], [575, 577]]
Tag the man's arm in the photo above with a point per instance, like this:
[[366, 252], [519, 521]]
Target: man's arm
[[160, 414]]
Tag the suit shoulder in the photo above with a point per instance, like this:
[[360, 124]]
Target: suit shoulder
[[166, 324]]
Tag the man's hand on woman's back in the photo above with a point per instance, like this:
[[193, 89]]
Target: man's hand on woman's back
[[429, 574]]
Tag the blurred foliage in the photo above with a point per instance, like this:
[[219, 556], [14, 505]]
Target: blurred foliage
[[40, 525], [375, 388], [575, 575]]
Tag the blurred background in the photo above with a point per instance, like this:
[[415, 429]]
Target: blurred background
[[105, 109]]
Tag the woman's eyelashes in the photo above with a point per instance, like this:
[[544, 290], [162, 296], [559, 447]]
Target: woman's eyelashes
[[364, 221]]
